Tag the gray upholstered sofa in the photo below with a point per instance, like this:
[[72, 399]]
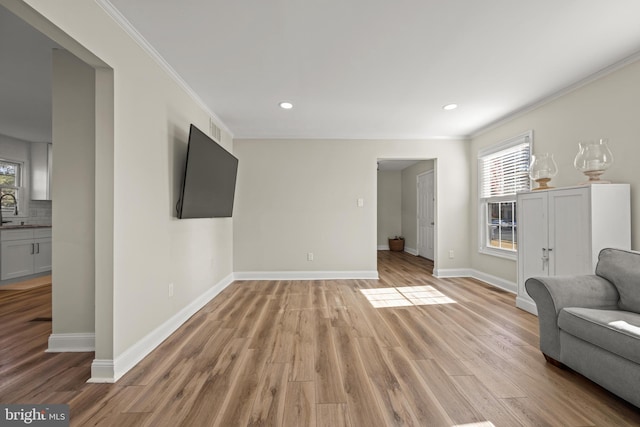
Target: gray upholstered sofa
[[592, 323]]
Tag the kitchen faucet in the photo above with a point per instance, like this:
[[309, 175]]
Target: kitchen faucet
[[15, 202]]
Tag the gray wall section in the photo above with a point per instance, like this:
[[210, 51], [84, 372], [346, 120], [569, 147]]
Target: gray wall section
[[73, 189]]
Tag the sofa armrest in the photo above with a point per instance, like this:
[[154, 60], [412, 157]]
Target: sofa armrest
[[552, 294]]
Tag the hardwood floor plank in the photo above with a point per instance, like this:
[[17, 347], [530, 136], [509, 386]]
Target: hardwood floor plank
[[459, 409], [172, 383], [420, 397], [413, 346], [484, 401], [107, 407], [302, 358], [244, 388], [528, 415], [429, 332], [266, 329], [268, 406], [363, 407], [332, 415], [386, 386], [300, 407], [211, 395], [328, 378], [282, 353], [126, 419]]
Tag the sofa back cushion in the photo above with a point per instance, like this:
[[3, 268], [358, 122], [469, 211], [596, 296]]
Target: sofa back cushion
[[622, 268]]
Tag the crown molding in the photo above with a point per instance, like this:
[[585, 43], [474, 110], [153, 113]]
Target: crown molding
[[560, 93], [124, 23]]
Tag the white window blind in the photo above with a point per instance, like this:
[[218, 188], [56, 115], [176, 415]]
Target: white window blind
[[505, 172]]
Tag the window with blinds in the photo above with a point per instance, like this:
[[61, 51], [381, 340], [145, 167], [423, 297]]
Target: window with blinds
[[503, 171], [10, 177], [506, 172]]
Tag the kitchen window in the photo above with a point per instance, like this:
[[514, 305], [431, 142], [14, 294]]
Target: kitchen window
[[10, 182], [503, 171]]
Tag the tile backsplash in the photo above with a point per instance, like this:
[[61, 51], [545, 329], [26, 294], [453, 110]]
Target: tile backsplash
[[39, 212]]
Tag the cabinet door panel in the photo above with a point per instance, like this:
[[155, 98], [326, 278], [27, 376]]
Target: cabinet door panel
[[16, 259], [569, 233], [42, 258]]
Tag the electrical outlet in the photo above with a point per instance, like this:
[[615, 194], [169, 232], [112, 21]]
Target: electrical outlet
[[451, 253], [310, 256], [170, 289]]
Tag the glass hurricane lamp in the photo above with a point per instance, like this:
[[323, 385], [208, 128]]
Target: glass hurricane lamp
[[593, 159], [542, 169]]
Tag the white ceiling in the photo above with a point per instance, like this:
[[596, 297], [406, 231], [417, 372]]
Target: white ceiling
[[378, 68], [25, 80], [352, 68]]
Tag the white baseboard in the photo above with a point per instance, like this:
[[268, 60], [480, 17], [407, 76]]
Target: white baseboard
[[107, 370], [497, 282], [411, 251], [527, 305], [77, 342], [443, 273], [102, 371], [305, 275]]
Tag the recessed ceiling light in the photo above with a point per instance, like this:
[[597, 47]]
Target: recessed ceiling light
[[286, 105], [450, 107]]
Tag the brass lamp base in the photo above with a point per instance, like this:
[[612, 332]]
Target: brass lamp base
[[542, 184]]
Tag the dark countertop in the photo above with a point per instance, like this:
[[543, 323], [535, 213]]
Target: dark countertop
[[19, 227]]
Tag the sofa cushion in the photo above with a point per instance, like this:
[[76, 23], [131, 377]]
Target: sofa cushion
[[622, 268], [614, 330]]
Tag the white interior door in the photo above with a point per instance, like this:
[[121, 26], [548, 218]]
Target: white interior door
[[426, 215]]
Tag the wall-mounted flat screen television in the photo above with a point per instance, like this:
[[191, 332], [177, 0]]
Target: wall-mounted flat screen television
[[209, 184]]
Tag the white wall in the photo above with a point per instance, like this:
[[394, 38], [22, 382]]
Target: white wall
[[143, 246], [389, 206], [73, 187], [299, 196], [607, 107], [410, 202]]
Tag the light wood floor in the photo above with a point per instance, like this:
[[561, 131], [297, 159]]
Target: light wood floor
[[320, 353]]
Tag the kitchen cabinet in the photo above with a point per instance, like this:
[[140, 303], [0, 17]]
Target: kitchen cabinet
[[41, 157], [561, 231], [24, 252]]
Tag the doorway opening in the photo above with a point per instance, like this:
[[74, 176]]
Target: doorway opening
[[81, 307], [406, 190]]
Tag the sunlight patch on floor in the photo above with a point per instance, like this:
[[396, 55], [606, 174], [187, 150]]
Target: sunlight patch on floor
[[405, 296]]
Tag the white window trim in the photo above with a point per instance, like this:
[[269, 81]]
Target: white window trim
[[483, 248], [22, 193]]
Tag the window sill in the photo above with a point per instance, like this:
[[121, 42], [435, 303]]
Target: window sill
[[499, 253]]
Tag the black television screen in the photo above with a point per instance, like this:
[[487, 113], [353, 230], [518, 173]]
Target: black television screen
[[209, 183]]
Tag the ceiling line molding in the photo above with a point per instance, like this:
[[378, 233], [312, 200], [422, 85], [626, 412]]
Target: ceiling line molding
[[151, 51], [558, 94], [348, 138]]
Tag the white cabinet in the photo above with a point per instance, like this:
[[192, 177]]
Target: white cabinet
[[24, 252], [561, 231], [41, 156]]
